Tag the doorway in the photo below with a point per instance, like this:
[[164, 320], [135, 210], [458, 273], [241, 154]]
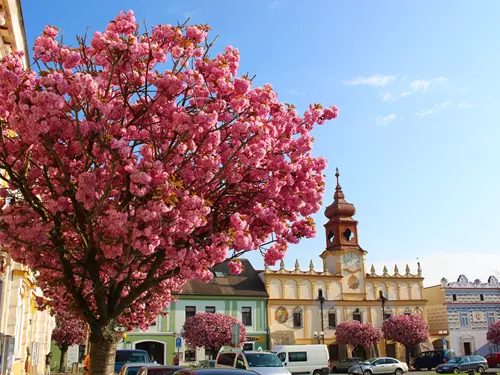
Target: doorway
[[467, 348], [155, 349], [391, 350]]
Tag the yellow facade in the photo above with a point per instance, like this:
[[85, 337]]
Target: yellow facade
[[348, 290]]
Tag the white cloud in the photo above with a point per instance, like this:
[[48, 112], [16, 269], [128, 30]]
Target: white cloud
[[384, 120], [423, 84], [386, 96], [406, 93], [464, 91], [425, 112], [438, 265], [275, 5], [464, 104], [376, 80]]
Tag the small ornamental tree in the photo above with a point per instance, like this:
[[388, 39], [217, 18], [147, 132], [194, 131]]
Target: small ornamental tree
[[354, 333], [493, 334], [211, 331], [408, 330], [70, 330], [136, 161]]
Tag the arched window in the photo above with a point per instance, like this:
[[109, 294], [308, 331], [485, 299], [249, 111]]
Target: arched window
[[297, 317], [332, 318], [357, 315]]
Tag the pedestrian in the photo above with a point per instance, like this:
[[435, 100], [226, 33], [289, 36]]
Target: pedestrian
[[86, 364], [48, 362], [175, 361]]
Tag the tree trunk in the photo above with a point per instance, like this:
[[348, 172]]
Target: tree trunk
[[104, 341], [407, 347], [64, 358]]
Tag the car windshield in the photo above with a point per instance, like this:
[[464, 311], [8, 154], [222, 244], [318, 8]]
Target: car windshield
[[134, 357], [454, 360], [133, 370], [263, 360], [369, 362]]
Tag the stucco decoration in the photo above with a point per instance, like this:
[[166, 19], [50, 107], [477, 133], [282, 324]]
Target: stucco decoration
[[353, 282], [281, 315]]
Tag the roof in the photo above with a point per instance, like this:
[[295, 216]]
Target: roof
[[247, 284]]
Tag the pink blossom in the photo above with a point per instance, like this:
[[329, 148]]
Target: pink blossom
[[493, 334], [355, 333], [235, 268], [406, 329]]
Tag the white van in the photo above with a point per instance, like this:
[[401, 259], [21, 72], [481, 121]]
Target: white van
[[304, 359], [263, 363]]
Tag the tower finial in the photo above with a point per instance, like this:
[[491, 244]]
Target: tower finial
[[337, 174]]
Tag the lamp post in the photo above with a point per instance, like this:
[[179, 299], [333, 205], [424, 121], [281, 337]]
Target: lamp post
[[443, 333], [383, 300], [321, 303], [319, 336]]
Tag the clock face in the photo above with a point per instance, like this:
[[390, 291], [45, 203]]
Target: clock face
[[352, 261]]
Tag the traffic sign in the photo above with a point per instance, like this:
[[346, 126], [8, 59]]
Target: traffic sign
[[178, 342]]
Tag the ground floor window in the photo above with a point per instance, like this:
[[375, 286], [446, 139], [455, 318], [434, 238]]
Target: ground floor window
[[190, 355]]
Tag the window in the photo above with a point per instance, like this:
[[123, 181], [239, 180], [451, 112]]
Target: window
[[240, 363], [248, 346], [282, 357], [190, 355], [408, 313], [297, 357], [210, 309], [454, 297], [387, 315], [190, 311], [491, 318], [226, 359], [356, 315], [297, 317], [464, 319], [246, 316], [332, 319], [481, 297]]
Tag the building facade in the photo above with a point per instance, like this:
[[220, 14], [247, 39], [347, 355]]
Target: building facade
[[465, 310], [305, 303], [25, 332], [242, 296]]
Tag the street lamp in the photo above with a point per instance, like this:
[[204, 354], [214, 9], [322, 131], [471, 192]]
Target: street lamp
[[383, 300], [320, 336], [321, 303], [444, 333]]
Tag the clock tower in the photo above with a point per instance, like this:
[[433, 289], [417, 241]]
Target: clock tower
[[343, 255]]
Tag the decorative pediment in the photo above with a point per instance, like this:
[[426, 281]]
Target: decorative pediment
[[463, 282]]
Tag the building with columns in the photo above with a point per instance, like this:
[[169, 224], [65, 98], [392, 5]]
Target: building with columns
[[464, 309], [303, 304]]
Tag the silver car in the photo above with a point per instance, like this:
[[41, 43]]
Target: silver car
[[383, 365]]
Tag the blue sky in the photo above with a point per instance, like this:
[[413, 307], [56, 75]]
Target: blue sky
[[416, 84]]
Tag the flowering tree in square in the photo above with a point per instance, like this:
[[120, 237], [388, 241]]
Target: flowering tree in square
[[70, 330], [136, 161], [354, 333], [493, 334], [211, 331], [408, 330]]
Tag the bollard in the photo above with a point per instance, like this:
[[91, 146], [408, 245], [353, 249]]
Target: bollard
[[74, 368]]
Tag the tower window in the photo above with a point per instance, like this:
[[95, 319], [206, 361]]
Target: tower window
[[348, 235], [481, 297], [331, 236]]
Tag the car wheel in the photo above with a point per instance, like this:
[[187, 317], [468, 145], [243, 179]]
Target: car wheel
[[335, 370], [456, 371], [318, 372], [398, 372], [480, 369], [367, 372]]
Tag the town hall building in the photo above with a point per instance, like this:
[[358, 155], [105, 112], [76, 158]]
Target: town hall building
[[305, 306]]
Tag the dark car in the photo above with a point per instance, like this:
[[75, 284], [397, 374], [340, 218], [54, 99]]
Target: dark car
[[130, 356], [432, 358], [160, 370], [463, 364], [215, 371], [345, 364]]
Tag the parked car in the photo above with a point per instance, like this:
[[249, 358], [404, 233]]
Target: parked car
[[133, 368], [159, 370], [383, 365], [214, 371], [493, 359], [463, 364], [207, 363], [264, 363], [345, 364], [130, 356], [432, 358], [304, 359]]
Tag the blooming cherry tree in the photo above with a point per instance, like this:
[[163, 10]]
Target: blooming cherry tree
[[136, 162], [493, 334], [211, 331], [354, 333], [70, 330], [408, 330]]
